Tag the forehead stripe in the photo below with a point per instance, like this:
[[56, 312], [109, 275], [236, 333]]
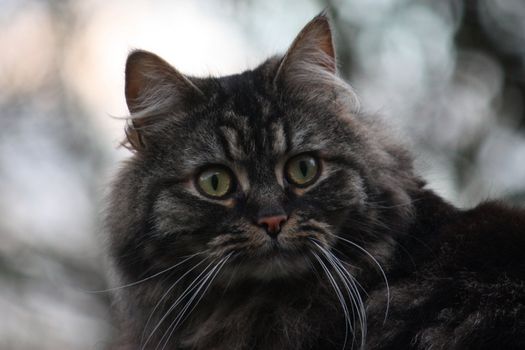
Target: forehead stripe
[[233, 146], [279, 143], [287, 136]]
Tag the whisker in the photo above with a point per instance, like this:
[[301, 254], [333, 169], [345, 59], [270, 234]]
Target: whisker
[[338, 251], [164, 296], [371, 229], [188, 289], [339, 295], [344, 267], [167, 334], [350, 285], [405, 204], [378, 265], [207, 281], [187, 257], [232, 276], [325, 231]]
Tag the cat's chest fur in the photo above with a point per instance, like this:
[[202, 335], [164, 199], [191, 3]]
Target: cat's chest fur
[[265, 318]]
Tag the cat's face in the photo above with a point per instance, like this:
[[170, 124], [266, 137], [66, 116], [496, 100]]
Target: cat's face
[[263, 169], [256, 178]]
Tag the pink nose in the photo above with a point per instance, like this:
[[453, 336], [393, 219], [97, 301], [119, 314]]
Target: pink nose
[[272, 224]]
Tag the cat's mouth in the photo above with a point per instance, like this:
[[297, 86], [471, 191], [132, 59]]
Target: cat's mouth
[[275, 261]]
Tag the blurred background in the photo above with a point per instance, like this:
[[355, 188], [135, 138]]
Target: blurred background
[[448, 75]]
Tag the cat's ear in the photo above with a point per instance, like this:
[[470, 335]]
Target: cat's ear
[[311, 57], [153, 89]]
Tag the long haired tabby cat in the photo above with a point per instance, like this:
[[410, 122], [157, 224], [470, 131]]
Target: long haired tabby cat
[[262, 211]]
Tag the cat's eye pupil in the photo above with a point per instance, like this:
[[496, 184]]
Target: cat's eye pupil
[[302, 170], [303, 167], [215, 181]]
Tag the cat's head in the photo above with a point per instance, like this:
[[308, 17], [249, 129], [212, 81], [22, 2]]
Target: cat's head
[[264, 168]]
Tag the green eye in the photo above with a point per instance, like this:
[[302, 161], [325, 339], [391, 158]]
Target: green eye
[[302, 170], [215, 182]]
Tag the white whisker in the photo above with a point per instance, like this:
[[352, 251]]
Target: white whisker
[[350, 285], [174, 305], [164, 296], [378, 265], [187, 257], [206, 283], [340, 296]]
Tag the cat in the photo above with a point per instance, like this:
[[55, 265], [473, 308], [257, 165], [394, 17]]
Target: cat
[[264, 210]]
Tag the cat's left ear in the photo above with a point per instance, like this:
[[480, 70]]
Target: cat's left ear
[[311, 58], [153, 90]]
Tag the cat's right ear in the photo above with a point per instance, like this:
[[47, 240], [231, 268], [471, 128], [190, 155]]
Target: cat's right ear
[[310, 60], [153, 89]]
